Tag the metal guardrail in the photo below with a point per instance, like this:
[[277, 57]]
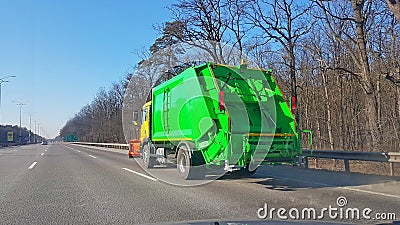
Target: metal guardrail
[[12, 144], [349, 155], [104, 145], [8, 144], [394, 157], [346, 156]]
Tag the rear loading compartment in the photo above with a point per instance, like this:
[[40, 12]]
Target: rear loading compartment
[[262, 127]]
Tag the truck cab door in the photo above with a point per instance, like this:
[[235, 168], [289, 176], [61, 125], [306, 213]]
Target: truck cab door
[[144, 129]]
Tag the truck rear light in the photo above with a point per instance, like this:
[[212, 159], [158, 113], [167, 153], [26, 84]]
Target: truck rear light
[[294, 104], [221, 101]]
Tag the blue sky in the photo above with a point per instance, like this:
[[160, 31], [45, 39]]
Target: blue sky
[[62, 52]]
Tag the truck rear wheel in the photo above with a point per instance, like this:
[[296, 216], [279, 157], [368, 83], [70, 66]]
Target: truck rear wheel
[[243, 173], [148, 161], [190, 167]]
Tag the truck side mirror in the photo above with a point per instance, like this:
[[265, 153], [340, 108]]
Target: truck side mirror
[[135, 118]]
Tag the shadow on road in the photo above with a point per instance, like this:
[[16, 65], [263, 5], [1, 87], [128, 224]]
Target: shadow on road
[[287, 178]]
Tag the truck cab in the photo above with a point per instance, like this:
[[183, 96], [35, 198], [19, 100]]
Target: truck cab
[[145, 124]]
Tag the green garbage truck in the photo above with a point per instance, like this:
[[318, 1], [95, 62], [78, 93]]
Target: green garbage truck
[[217, 116]]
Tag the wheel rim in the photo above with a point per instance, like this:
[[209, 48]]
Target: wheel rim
[[182, 163], [145, 154]]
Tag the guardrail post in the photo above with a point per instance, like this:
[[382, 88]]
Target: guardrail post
[[346, 165], [391, 168], [306, 162]]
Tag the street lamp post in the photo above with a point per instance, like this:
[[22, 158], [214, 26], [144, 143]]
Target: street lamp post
[[3, 80], [30, 127], [20, 104], [40, 138], [35, 133]]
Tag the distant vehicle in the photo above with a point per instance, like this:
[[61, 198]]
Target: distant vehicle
[[44, 142], [195, 129]]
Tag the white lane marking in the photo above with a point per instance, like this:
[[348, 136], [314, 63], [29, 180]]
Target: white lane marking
[[42, 154], [32, 165], [45, 150], [336, 186], [370, 192], [72, 148], [93, 156], [140, 174]]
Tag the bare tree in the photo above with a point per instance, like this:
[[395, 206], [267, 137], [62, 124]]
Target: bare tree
[[355, 42], [283, 22], [394, 5], [236, 22], [340, 57], [101, 120], [201, 24]]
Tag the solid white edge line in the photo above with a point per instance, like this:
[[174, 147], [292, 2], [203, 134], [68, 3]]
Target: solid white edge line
[[336, 186], [140, 174], [370, 192], [93, 156], [32, 165]]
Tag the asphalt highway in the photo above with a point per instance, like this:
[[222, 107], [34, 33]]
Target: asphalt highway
[[71, 184]]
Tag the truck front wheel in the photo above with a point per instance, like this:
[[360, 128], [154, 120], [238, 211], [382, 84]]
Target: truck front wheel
[[189, 166], [148, 161]]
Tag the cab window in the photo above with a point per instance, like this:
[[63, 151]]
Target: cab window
[[144, 115]]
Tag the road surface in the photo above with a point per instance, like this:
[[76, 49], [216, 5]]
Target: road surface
[[65, 183]]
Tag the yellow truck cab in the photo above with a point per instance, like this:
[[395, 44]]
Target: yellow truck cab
[[144, 129]]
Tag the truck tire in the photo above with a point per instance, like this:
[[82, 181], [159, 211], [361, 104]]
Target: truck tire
[[244, 172], [190, 167], [148, 161]]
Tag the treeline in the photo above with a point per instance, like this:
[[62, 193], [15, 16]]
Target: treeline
[[340, 58], [101, 120], [25, 134]]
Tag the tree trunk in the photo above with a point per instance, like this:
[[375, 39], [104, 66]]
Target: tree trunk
[[397, 124], [378, 98], [344, 130], [394, 5], [293, 83], [367, 81], [328, 111]]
